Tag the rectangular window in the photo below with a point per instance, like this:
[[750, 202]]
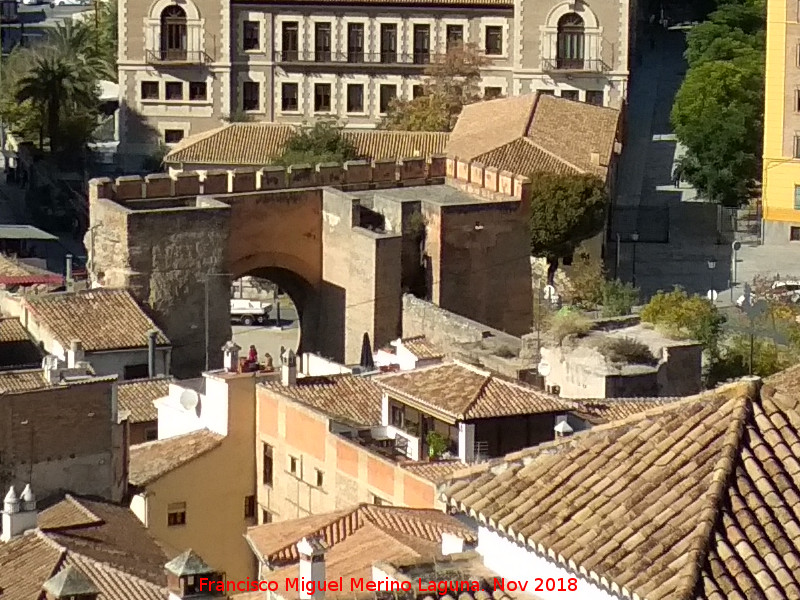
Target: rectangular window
[[322, 97], [149, 90], [794, 234], [397, 417], [455, 36], [197, 90], [174, 90], [355, 98], [355, 42], [289, 98], [797, 197], [378, 501], [171, 136], [796, 147], [176, 514], [388, 43], [289, 40], [322, 42], [266, 516], [570, 95], [295, 467], [250, 93], [595, 97], [494, 40], [249, 507], [320, 477], [797, 100], [547, 92], [490, 93], [422, 44], [417, 91], [141, 371], [266, 468], [251, 35], [388, 94]]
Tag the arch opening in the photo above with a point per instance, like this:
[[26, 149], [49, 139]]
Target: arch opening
[[570, 49], [287, 323], [174, 33]]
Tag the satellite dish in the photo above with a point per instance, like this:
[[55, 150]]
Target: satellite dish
[[549, 292], [189, 399], [543, 368]]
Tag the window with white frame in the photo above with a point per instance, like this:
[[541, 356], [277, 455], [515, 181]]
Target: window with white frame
[[493, 45], [250, 95], [388, 93], [150, 90], [355, 97], [290, 101], [251, 36], [322, 97]]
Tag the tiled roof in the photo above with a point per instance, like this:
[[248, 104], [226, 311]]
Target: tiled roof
[[697, 499], [137, 397], [12, 267], [151, 460], [525, 156], [258, 144], [573, 130], [11, 330], [614, 409], [101, 319], [461, 392], [22, 381], [404, 530], [105, 542], [422, 348], [484, 126], [434, 470], [355, 400]]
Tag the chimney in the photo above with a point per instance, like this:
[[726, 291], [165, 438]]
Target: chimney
[[51, 368], [68, 280], [19, 514], [288, 368], [312, 567], [230, 356], [151, 352], [185, 578], [75, 354], [70, 584], [562, 428], [451, 544]]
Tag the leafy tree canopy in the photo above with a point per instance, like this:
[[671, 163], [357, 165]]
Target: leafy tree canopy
[[318, 144], [565, 210], [451, 82], [683, 315]]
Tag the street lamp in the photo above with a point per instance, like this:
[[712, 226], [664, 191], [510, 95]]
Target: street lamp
[[634, 239], [712, 263], [208, 277]]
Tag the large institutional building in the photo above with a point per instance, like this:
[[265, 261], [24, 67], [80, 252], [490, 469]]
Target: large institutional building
[[781, 178], [186, 66]]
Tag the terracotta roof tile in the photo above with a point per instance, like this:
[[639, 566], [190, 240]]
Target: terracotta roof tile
[[484, 126], [258, 144], [137, 396], [105, 542], [422, 348], [11, 330], [355, 400], [614, 409], [151, 460], [708, 487], [102, 319], [22, 381], [435, 470], [526, 157], [13, 267], [412, 531], [461, 391], [573, 130]]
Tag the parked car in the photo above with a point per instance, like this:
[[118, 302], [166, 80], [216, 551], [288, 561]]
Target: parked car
[[249, 312], [55, 3], [787, 291]]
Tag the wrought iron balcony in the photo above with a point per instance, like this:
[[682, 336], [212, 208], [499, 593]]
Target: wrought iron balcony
[[177, 57], [339, 59], [571, 65]]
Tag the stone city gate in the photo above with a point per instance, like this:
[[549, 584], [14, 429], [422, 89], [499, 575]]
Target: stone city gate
[[341, 258]]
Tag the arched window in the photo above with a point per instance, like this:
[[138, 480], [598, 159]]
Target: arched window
[[570, 51], [173, 33]]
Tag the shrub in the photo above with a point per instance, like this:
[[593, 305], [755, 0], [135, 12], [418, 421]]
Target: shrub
[[682, 315], [734, 362], [586, 281], [626, 350], [504, 352], [618, 298], [568, 322]]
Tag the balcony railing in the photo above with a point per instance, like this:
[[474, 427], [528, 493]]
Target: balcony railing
[[177, 57], [386, 59], [572, 65]]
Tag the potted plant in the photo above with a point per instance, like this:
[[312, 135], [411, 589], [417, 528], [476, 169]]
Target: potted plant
[[437, 444]]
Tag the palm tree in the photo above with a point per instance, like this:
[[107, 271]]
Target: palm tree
[[55, 83], [77, 42]]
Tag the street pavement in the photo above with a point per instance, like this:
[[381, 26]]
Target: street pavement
[[270, 338]]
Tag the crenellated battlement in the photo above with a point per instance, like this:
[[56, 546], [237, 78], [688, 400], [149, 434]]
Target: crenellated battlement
[[473, 178]]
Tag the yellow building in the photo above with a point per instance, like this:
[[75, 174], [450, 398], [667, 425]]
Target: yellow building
[[194, 486], [781, 179]]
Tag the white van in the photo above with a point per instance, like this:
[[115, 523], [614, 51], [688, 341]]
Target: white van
[[249, 312]]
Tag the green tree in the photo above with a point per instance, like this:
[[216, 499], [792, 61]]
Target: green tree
[[684, 315], [452, 81], [321, 143], [565, 210], [734, 360], [619, 298], [106, 35], [78, 43]]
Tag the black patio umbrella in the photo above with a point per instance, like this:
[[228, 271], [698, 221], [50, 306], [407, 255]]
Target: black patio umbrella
[[366, 354]]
